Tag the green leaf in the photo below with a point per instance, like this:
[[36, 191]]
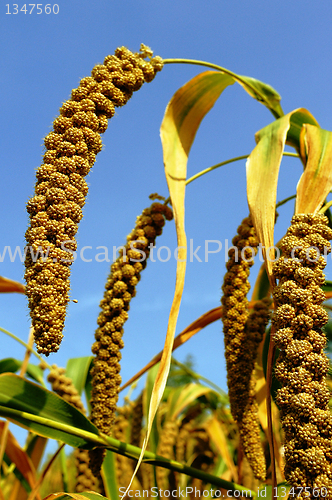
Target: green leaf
[[10, 365], [109, 476], [262, 285], [282, 491], [44, 413], [263, 93], [13, 365], [260, 91], [78, 370], [184, 396], [327, 287]]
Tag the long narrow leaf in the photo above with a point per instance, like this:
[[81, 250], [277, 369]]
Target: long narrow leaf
[[43, 412], [183, 116], [20, 458], [217, 435], [316, 180], [109, 476], [78, 371], [13, 365], [262, 179], [263, 93], [183, 396]]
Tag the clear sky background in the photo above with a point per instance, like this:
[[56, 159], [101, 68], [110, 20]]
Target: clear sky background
[[287, 44]]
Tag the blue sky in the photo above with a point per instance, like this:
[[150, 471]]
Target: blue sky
[[286, 44]]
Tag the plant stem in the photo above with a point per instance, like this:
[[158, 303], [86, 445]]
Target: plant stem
[[232, 160], [259, 96], [237, 158], [133, 452], [28, 348], [325, 207], [282, 202], [124, 449]]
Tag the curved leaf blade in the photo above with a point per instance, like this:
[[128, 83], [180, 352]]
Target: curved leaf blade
[[316, 180], [215, 429], [183, 396], [263, 93], [262, 178], [183, 116], [20, 458], [297, 121], [78, 370], [13, 365]]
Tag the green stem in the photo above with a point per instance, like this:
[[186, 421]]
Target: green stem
[[259, 96], [325, 207], [226, 162], [133, 452], [125, 449], [26, 346], [207, 170], [64, 472], [237, 158], [282, 202]]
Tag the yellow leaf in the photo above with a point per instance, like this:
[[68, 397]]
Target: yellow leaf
[[7, 286], [217, 435], [19, 457], [262, 179], [183, 116], [316, 180], [182, 397], [90, 495]]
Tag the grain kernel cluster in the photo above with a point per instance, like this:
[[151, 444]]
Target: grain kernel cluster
[[60, 192], [64, 387], [242, 335], [120, 288], [302, 365]]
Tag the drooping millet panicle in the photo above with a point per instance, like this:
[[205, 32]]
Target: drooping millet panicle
[[302, 364], [120, 288], [136, 422], [242, 340], [56, 207], [85, 480], [64, 387], [248, 424], [136, 437]]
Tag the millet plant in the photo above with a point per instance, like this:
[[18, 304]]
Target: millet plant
[[271, 436]]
